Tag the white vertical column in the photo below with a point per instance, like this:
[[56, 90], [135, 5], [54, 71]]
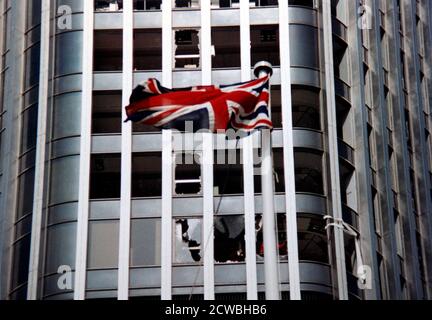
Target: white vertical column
[[207, 163], [85, 151], [40, 153], [288, 150], [167, 159], [333, 149], [248, 169], [126, 156]]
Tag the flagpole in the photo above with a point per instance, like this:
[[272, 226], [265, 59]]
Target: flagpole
[[262, 69]]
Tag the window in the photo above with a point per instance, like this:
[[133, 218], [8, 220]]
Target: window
[[276, 106], [226, 42], [107, 112], [306, 108], [265, 44], [147, 49], [147, 4], [147, 174], [187, 240], [145, 242], [187, 49], [308, 172], [281, 238], [229, 242], [103, 244], [105, 176], [108, 55], [228, 172], [185, 4], [187, 174], [312, 239], [108, 5]]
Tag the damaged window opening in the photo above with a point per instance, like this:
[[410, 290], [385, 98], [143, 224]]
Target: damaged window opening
[[108, 5], [229, 242], [147, 5], [187, 49], [187, 174], [187, 240], [226, 43], [187, 4]]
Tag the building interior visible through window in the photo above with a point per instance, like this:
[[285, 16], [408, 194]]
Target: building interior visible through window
[[108, 5]]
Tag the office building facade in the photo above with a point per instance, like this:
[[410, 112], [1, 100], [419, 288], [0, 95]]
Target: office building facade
[[95, 208]]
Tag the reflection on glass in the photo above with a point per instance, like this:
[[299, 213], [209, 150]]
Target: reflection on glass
[[229, 243], [187, 240]]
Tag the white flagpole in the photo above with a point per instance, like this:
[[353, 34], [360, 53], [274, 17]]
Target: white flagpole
[[262, 69]]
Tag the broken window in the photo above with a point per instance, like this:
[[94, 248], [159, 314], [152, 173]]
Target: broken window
[[105, 176], [229, 242], [226, 43], [187, 49], [282, 246], [108, 50], [106, 112], [187, 240], [184, 4], [265, 44], [147, 49], [147, 174], [187, 174], [228, 172], [108, 5], [147, 4]]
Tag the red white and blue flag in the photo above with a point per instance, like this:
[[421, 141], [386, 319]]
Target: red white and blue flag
[[242, 106]]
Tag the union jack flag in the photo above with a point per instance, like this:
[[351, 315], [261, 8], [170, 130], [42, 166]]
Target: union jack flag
[[241, 106]]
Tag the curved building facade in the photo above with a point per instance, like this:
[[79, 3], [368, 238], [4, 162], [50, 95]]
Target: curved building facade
[[94, 208]]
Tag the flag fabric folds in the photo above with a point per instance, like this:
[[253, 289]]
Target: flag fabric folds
[[242, 106]]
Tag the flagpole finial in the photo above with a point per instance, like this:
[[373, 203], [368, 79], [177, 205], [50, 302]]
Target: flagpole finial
[[262, 67]]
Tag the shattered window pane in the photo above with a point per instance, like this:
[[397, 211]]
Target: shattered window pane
[[187, 49], [187, 239], [229, 242], [187, 174]]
